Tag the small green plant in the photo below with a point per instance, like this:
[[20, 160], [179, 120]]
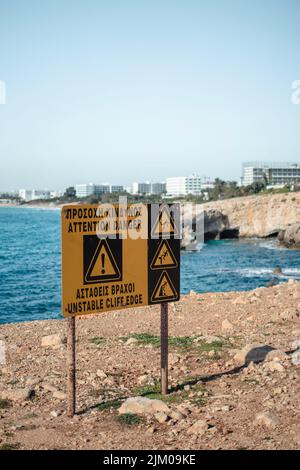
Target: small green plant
[[213, 346], [181, 342], [4, 404], [129, 419], [108, 405], [7, 446], [97, 340]]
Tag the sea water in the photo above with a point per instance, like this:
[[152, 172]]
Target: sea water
[[30, 265]]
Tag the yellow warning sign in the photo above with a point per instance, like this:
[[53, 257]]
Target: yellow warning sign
[[164, 225], [108, 263], [164, 257], [103, 267], [164, 289]]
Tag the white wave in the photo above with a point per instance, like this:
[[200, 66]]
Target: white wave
[[272, 245], [289, 273]]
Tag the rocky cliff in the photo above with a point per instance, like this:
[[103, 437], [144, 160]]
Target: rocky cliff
[[259, 216]]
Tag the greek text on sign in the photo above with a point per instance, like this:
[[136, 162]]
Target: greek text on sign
[[114, 257]]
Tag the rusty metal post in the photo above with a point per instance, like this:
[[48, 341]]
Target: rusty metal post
[[71, 367], [164, 348]]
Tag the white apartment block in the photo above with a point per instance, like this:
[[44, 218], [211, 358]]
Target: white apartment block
[[184, 185], [275, 173], [148, 188], [84, 190], [34, 194]]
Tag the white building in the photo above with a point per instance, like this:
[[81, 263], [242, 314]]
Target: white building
[[274, 173], [25, 194], [84, 190], [148, 188], [34, 194], [116, 188], [184, 185]]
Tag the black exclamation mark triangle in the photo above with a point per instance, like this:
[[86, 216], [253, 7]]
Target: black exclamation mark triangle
[[103, 266]]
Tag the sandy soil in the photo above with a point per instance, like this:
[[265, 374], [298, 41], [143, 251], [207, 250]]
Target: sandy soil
[[208, 379]]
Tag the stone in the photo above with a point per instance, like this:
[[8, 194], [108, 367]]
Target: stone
[[52, 340], [131, 341], [59, 395], [295, 358], [161, 417], [275, 366], [210, 339], [198, 428], [55, 414], [276, 355], [266, 419], [227, 326], [176, 415], [17, 394], [143, 405], [252, 353], [101, 374], [49, 387], [295, 344], [174, 359]]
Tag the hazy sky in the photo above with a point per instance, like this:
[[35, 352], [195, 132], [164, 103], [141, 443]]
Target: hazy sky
[[117, 91]]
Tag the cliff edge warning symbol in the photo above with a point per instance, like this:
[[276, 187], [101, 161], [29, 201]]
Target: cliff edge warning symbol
[[103, 266], [164, 289], [164, 224], [164, 257]]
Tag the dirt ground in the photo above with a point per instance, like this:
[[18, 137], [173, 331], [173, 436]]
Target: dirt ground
[[240, 403]]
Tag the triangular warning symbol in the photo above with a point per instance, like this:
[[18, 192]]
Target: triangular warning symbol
[[164, 257], [164, 224], [164, 289], [103, 266]]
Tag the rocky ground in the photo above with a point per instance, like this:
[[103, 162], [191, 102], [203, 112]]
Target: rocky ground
[[234, 377]]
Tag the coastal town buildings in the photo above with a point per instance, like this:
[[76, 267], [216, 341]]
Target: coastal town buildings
[[148, 188], [274, 173], [184, 185]]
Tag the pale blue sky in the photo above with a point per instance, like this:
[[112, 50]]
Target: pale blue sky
[[130, 90]]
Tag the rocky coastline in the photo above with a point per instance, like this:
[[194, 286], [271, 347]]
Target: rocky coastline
[[234, 366]]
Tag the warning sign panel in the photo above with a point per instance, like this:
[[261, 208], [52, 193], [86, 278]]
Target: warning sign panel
[[102, 259], [164, 257], [112, 261], [164, 289]]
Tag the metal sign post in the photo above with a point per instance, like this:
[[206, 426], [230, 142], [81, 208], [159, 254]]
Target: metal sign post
[[71, 367], [164, 348]]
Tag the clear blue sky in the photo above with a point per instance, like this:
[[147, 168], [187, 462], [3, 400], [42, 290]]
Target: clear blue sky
[[127, 90]]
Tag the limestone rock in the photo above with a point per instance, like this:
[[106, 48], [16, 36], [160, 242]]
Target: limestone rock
[[295, 359], [252, 353], [59, 395], [266, 419], [131, 341], [143, 405], [161, 417], [295, 344], [227, 326], [199, 427], [274, 366], [173, 359], [17, 394], [291, 236], [101, 374], [52, 340]]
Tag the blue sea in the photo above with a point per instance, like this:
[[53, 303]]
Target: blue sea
[[30, 265]]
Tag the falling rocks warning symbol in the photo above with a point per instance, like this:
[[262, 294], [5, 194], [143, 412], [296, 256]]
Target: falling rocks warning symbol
[[164, 257], [164, 289], [103, 266]]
